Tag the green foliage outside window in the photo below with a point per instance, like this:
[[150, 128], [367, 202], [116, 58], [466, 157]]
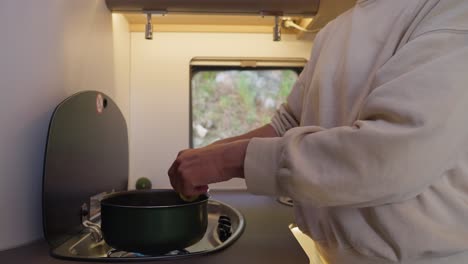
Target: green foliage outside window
[[230, 103]]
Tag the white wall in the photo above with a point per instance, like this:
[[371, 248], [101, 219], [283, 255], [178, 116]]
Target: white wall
[[160, 91], [49, 49]]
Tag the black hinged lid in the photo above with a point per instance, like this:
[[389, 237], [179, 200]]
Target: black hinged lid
[[86, 154]]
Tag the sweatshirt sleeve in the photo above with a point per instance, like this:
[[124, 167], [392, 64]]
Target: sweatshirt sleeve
[[289, 114], [411, 129]]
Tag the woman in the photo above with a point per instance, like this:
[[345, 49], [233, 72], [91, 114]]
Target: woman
[[372, 143]]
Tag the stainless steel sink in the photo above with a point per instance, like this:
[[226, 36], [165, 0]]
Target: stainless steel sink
[[86, 246], [225, 225]]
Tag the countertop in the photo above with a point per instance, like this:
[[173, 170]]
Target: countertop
[[266, 239]]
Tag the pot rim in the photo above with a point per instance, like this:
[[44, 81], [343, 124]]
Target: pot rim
[[104, 201]]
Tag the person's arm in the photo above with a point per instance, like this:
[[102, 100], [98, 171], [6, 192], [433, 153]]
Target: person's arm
[[411, 130], [194, 169], [261, 132], [222, 160]]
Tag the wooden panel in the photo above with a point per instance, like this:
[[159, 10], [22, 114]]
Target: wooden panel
[[204, 23], [201, 19], [204, 28]]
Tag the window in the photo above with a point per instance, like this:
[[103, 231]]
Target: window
[[230, 100]]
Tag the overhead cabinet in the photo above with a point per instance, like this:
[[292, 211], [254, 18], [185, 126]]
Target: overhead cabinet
[[303, 8], [309, 16]]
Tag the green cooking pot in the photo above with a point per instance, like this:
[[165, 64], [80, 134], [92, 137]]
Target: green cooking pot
[[152, 221]]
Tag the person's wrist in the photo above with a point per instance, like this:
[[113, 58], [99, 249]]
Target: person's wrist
[[233, 158]]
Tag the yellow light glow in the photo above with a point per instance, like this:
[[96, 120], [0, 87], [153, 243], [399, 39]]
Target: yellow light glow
[[308, 245]]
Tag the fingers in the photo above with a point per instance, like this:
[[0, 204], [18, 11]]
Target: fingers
[[172, 173], [187, 182], [194, 169], [172, 170], [189, 190], [182, 152], [183, 179], [202, 189]]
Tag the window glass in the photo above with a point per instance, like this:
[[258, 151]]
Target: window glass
[[230, 102]]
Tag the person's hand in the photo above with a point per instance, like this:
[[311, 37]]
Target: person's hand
[[194, 169]]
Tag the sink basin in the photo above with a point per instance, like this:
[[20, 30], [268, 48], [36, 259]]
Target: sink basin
[[225, 225], [87, 247], [308, 245]]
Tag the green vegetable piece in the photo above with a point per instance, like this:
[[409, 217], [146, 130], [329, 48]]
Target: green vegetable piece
[[188, 199], [143, 184]]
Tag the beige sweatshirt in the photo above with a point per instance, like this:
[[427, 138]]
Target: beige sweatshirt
[[374, 136]]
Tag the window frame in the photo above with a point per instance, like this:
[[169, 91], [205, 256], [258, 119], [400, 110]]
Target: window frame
[[251, 64]]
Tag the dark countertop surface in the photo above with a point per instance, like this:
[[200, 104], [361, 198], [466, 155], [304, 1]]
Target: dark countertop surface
[[266, 239]]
